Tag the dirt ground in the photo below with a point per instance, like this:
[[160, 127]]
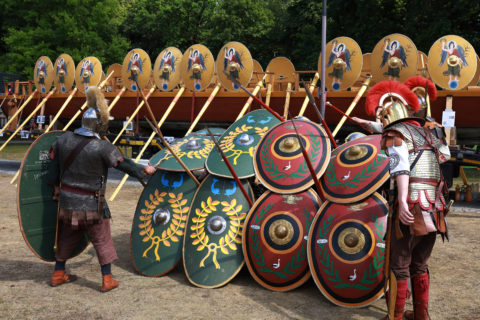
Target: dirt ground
[[25, 293]]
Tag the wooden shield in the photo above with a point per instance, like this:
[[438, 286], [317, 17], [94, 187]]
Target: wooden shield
[[197, 67], [279, 163], [275, 238], [344, 62], [357, 168], [115, 81], [234, 59], [346, 251], [238, 144], [394, 58], [159, 222], [136, 66], [43, 74], [37, 211], [64, 73], [212, 255], [476, 77], [452, 62], [88, 73], [280, 70], [166, 70]]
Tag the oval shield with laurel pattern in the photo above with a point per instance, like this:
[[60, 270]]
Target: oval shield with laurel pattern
[[357, 169], [346, 251], [278, 161], [275, 238], [159, 222], [212, 253], [238, 143]]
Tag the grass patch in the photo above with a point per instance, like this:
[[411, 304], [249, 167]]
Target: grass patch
[[14, 151], [472, 174]]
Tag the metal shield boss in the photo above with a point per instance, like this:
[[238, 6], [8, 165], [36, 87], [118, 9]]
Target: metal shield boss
[[346, 251], [452, 62], [136, 69], [64, 69], [279, 163], [275, 238], [356, 169], [160, 222], [394, 57], [197, 67], [166, 70], [235, 60], [212, 253], [238, 143], [344, 62], [88, 73], [37, 211], [43, 74]]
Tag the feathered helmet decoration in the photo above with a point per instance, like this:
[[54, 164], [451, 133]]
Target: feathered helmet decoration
[[96, 100], [418, 85]]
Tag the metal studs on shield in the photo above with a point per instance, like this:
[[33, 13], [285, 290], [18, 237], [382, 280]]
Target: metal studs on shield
[[43, 74], [166, 70], [136, 68]]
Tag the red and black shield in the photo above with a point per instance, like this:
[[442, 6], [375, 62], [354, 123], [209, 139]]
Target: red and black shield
[[346, 251], [357, 169]]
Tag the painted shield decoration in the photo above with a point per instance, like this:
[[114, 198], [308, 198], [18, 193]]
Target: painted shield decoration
[[43, 74], [234, 59], [357, 168], [275, 238], [88, 73], [192, 149], [159, 222], [37, 211], [394, 58], [279, 163], [238, 144], [452, 62], [346, 251], [344, 62], [64, 73], [197, 67], [166, 70], [136, 67], [212, 253]]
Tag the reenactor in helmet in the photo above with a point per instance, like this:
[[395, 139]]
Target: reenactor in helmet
[[81, 161]]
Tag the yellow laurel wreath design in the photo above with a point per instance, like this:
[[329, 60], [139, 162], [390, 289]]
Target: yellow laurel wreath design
[[228, 146], [229, 240], [174, 230], [199, 154]]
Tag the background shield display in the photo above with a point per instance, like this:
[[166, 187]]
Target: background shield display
[[159, 222], [346, 251], [234, 59], [238, 143], [197, 67], [64, 73], [166, 70], [136, 65], [43, 74], [37, 211], [212, 253], [88, 73], [280, 70], [115, 81], [279, 162], [275, 238], [356, 169]]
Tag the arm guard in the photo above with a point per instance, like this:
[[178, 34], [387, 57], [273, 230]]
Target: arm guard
[[130, 167]]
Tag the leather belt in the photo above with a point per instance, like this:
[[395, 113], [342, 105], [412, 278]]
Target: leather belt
[[430, 181], [77, 190]]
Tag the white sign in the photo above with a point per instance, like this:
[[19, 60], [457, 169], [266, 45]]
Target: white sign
[[448, 119], [129, 127], [40, 119], [24, 134]]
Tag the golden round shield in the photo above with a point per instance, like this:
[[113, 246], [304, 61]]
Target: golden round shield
[[235, 60], [197, 67], [166, 70], [422, 69], [43, 74], [88, 73], [452, 62], [282, 70], [136, 67], [64, 73], [476, 77], [115, 82], [394, 58], [343, 61]]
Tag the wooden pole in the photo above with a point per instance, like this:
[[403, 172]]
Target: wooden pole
[[204, 108], [311, 88], [19, 110]]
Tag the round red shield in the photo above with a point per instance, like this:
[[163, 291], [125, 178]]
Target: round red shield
[[346, 251], [275, 239], [356, 170], [278, 161]]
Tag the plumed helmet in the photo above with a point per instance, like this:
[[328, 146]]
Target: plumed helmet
[[396, 100], [95, 118]]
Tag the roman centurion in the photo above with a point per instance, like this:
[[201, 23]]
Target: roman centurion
[[419, 211]]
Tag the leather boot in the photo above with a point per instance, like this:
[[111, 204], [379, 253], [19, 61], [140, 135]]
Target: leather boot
[[108, 283], [60, 277], [402, 289], [420, 285]]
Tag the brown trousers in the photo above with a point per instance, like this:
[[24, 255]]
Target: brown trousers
[[409, 255]]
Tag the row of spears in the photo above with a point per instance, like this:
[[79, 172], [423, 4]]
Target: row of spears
[[277, 195]]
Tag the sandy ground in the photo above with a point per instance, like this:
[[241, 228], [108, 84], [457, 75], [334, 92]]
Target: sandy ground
[[25, 293]]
